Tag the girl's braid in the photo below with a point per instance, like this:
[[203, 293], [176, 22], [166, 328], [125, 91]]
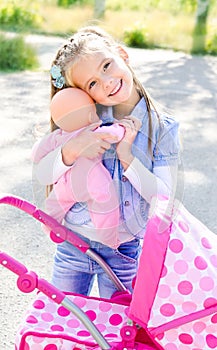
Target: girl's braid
[[75, 46], [64, 56], [71, 50]]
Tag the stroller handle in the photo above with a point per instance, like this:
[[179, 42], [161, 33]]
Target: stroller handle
[[28, 281], [59, 233]]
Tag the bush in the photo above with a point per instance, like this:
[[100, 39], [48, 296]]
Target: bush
[[186, 6], [67, 3], [17, 17], [136, 37], [211, 45], [16, 54]]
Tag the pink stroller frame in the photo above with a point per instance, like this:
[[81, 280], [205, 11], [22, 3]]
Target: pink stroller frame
[[173, 305]]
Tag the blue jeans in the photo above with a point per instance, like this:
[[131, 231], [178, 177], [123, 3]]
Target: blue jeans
[[74, 271]]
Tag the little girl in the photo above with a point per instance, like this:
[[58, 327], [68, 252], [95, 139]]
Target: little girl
[[143, 164], [88, 180]]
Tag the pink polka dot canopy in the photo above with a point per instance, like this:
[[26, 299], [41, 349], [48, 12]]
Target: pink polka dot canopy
[[179, 305]]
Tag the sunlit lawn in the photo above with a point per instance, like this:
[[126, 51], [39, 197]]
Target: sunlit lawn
[[163, 28]]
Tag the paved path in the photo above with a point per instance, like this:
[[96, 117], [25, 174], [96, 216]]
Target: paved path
[[185, 84]]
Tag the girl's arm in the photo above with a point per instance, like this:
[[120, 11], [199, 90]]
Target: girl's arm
[[85, 144], [47, 151], [50, 168], [163, 178], [162, 181], [49, 143]]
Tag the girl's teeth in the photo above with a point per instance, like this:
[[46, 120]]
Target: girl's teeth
[[117, 88]]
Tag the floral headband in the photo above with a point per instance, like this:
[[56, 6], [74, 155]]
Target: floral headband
[[58, 80]]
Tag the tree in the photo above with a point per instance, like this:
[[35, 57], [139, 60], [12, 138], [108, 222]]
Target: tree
[[99, 8], [200, 29]]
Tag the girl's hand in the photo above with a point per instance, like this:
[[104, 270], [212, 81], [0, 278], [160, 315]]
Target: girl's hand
[[86, 144], [124, 147]]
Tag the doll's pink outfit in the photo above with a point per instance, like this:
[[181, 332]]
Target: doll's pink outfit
[[87, 181]]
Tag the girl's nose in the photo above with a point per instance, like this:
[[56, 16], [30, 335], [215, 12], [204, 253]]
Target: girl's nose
[[107, 82]]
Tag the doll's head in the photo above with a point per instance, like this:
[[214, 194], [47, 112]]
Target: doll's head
[[72, 109]]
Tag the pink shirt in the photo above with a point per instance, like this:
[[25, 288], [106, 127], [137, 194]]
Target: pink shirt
[[87, 181], [58, 137]]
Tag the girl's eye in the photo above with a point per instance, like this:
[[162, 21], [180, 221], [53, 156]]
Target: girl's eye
[[106, 66], [92, 84]]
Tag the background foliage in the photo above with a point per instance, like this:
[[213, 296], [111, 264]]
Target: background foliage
[[151, 23], [16, 54]]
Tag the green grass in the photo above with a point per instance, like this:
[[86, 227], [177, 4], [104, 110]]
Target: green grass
[[16, 55], [163, 26], [150, 23]]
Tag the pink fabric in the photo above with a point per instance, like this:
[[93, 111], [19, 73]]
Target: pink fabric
[[90, 182], [198, 316], [58, 137], [87, 181], [149, 271], [178, 304], [49, 142], [47, 323]]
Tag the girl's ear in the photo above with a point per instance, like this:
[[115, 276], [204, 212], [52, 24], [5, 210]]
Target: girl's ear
[[123, 54]]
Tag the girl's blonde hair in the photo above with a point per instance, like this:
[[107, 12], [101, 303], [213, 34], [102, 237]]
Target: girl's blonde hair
[[88, 40], [84, 42]]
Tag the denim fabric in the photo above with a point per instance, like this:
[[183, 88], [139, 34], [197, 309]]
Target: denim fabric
[[165, 151], [75, 271]]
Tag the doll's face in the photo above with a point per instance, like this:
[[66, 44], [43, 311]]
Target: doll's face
[[79, 118], [73, 109]]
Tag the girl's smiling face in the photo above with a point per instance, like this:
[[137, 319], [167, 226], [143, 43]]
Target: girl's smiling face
[[106, 77]]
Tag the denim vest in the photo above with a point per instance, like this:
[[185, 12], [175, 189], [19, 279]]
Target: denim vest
[[164, 151]]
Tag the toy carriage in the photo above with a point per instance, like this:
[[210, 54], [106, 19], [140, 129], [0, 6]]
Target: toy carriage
[[174, 301]]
